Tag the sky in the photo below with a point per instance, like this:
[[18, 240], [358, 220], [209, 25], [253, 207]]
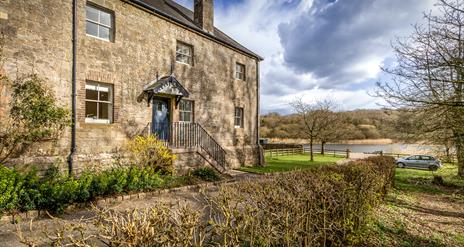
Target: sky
[[319, 49]]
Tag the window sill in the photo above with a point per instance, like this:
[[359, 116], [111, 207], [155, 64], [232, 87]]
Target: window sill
[[98, 38], [97, 121], [184, 64]]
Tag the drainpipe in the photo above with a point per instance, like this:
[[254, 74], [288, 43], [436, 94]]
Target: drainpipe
[[261, 160], [73, 95]]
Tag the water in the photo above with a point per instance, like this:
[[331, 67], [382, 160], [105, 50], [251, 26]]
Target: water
[[386, 148]]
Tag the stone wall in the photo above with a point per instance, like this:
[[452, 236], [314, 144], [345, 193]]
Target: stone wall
[[38, 40]]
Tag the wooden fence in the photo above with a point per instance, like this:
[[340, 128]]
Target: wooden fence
[[305, 150]]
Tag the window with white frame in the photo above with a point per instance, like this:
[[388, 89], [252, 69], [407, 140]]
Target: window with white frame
[[240, 71], [98, 103], [99, 23], [238, 119], [186, 111], [184, 53]]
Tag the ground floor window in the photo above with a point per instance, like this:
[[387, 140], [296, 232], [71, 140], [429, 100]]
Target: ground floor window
[[186, 111], [98, 103], [238, 120]]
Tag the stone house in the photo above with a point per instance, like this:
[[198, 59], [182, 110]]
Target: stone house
[[139, 66]]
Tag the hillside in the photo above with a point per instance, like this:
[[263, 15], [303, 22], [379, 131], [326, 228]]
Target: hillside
[[362, 125]]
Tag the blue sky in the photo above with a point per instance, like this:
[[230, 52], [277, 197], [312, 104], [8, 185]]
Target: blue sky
[[316, 49]]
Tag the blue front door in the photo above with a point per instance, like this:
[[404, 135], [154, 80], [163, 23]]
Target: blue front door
[[160, 122]]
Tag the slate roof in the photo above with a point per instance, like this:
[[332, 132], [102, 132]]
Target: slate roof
[[184, 16]]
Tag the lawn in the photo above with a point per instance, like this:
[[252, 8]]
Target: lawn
[[291, 162], [415, 180], [421, 212]]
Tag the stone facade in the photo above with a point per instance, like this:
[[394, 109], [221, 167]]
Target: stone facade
[[39, 39]]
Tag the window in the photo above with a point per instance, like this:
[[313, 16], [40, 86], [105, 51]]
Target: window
[[238, 120], [186, 111], [240, 71], [99, 23], [184, 53], [98, 103]]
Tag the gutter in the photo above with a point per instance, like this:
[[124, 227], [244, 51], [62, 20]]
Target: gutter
[[73, 95]]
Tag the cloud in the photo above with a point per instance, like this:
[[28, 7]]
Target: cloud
[[314, 48], [342, 42]]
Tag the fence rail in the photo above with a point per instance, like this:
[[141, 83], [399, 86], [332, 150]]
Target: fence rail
[[305, 150]]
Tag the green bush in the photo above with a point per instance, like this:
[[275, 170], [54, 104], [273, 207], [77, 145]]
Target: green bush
[[10, 189], [206, 174], [55, 191]]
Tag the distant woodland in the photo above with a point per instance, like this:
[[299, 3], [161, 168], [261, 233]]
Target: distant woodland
[[359, 125]]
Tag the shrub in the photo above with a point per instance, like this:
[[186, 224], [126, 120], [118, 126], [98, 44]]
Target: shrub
[[33, 116], [150, 152], [328, 206], [10, 189], [55, 191], [206, 174]]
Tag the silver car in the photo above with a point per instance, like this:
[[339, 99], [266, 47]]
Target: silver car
[[420, 162]]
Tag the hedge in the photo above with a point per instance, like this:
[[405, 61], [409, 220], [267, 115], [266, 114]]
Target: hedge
[[20, 192], [326, 206]]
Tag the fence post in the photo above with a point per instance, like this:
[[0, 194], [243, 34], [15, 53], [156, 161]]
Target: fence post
[[347, 153]]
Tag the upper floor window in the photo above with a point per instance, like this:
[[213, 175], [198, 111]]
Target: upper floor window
[[98, 103], [238, 119], [184, 53], [186, 111], [99, 23], [240, 71]]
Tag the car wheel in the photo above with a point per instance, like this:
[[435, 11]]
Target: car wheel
[[400, 165], [433, 168]]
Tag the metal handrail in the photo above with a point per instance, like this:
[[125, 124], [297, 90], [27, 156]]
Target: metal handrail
[[190, 135]]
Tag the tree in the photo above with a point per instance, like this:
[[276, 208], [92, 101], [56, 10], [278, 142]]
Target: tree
[[335, 130], [315, 118], [429, 74], [33, 116]]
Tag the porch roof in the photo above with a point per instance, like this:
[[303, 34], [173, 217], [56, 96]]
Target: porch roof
[[167, 85]]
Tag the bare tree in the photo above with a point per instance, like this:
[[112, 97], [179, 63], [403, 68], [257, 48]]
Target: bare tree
[[335, 129], [429, 74], [315, 117]]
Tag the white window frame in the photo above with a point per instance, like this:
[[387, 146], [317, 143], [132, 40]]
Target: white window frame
[[181, 111], [189, 56], [241, 117], [98, 23], [100, 87], [240, 75]]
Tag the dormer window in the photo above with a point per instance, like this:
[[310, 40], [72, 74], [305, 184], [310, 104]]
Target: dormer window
[[99, 23]]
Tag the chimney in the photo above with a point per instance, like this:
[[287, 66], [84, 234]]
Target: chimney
[[203, 14]]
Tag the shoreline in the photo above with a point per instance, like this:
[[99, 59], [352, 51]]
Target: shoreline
[[362, 141]]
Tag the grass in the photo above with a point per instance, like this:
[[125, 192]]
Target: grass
[[419, 212], [414, 180], [291, 163]]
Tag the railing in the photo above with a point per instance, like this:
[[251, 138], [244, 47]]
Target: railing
[[190, 135], [301, 150]]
